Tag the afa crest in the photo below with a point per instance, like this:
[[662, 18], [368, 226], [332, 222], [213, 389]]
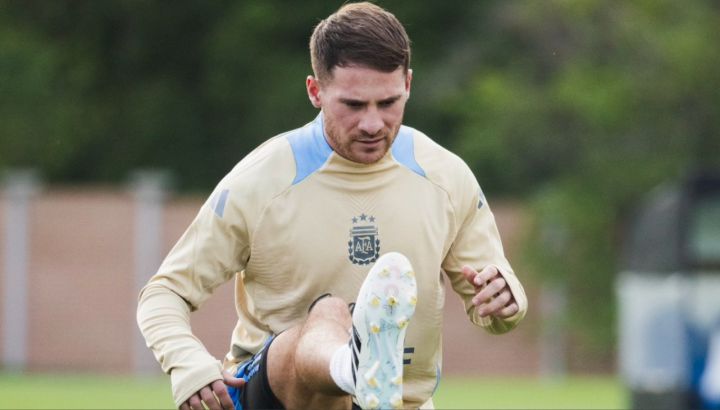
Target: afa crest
[[364, 243]]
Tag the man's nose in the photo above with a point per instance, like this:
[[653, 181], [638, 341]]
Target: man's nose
[[371, 122]]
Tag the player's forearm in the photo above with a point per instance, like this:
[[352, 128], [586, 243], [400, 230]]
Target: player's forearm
[[164, 320]]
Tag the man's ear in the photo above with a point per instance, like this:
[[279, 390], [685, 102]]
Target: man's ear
[[408, 81], [313, 90]]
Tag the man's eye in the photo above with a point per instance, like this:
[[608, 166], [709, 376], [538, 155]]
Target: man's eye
[[354, 105], [386, 104]]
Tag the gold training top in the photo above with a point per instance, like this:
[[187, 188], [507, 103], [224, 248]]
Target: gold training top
[[294, 220]]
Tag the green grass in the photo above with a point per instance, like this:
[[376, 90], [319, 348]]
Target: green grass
[[531, 393], [64, 391]]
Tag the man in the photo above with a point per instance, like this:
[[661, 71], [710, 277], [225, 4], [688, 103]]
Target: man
[[298, 224]]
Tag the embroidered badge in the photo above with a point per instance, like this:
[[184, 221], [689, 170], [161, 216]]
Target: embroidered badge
[[364, 243]]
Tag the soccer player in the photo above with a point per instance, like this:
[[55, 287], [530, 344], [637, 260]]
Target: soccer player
[[340, 236]]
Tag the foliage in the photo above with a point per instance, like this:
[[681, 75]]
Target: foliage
[[596, 103], [93, 89]]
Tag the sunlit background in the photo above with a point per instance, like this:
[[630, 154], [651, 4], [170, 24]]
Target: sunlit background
[[579, 118]]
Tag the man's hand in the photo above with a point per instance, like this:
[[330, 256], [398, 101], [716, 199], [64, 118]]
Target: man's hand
[[492, 293], [215, 395]]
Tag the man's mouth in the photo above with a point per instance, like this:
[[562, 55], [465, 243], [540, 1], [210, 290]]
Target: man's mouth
[[371, 141]]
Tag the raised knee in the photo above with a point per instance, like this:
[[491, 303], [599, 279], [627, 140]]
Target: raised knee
[[330, 307]]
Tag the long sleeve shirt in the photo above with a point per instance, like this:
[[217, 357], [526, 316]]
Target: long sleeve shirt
[[294, 220]]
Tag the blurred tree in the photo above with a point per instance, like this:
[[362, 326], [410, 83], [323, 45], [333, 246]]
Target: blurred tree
[[105, 87], [582, 107]]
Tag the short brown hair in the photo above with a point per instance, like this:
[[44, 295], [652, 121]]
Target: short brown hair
[[362, 34]]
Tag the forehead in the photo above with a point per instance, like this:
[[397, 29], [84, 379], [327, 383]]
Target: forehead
[[364, 83]]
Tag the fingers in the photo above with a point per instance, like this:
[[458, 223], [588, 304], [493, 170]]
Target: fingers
[[493, 296], [215, 395], [479, 279], [469, 274], [232, 381], [495, 305], [222, 394], [509, 310], [489, 291], [486, 275], [206, 393], [194, 403]]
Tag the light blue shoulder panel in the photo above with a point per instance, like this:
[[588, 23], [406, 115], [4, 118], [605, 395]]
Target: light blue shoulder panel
[[403, 150], [310, 149]]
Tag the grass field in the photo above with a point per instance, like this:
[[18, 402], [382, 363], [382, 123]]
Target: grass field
[[62, 391]]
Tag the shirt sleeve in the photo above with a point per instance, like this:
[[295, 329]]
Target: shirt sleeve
[[212, 250], [478, 245]]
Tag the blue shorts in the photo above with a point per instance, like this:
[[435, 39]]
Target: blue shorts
[[256, 394]]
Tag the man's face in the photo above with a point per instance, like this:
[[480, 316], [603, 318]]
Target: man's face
[[362, 110]]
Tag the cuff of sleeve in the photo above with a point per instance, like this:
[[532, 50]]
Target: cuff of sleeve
[[188, 381]]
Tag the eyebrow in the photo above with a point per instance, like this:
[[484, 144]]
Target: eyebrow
[[362, 102]]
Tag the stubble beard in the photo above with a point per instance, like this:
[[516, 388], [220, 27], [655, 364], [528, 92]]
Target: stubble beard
[[348, 149]]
